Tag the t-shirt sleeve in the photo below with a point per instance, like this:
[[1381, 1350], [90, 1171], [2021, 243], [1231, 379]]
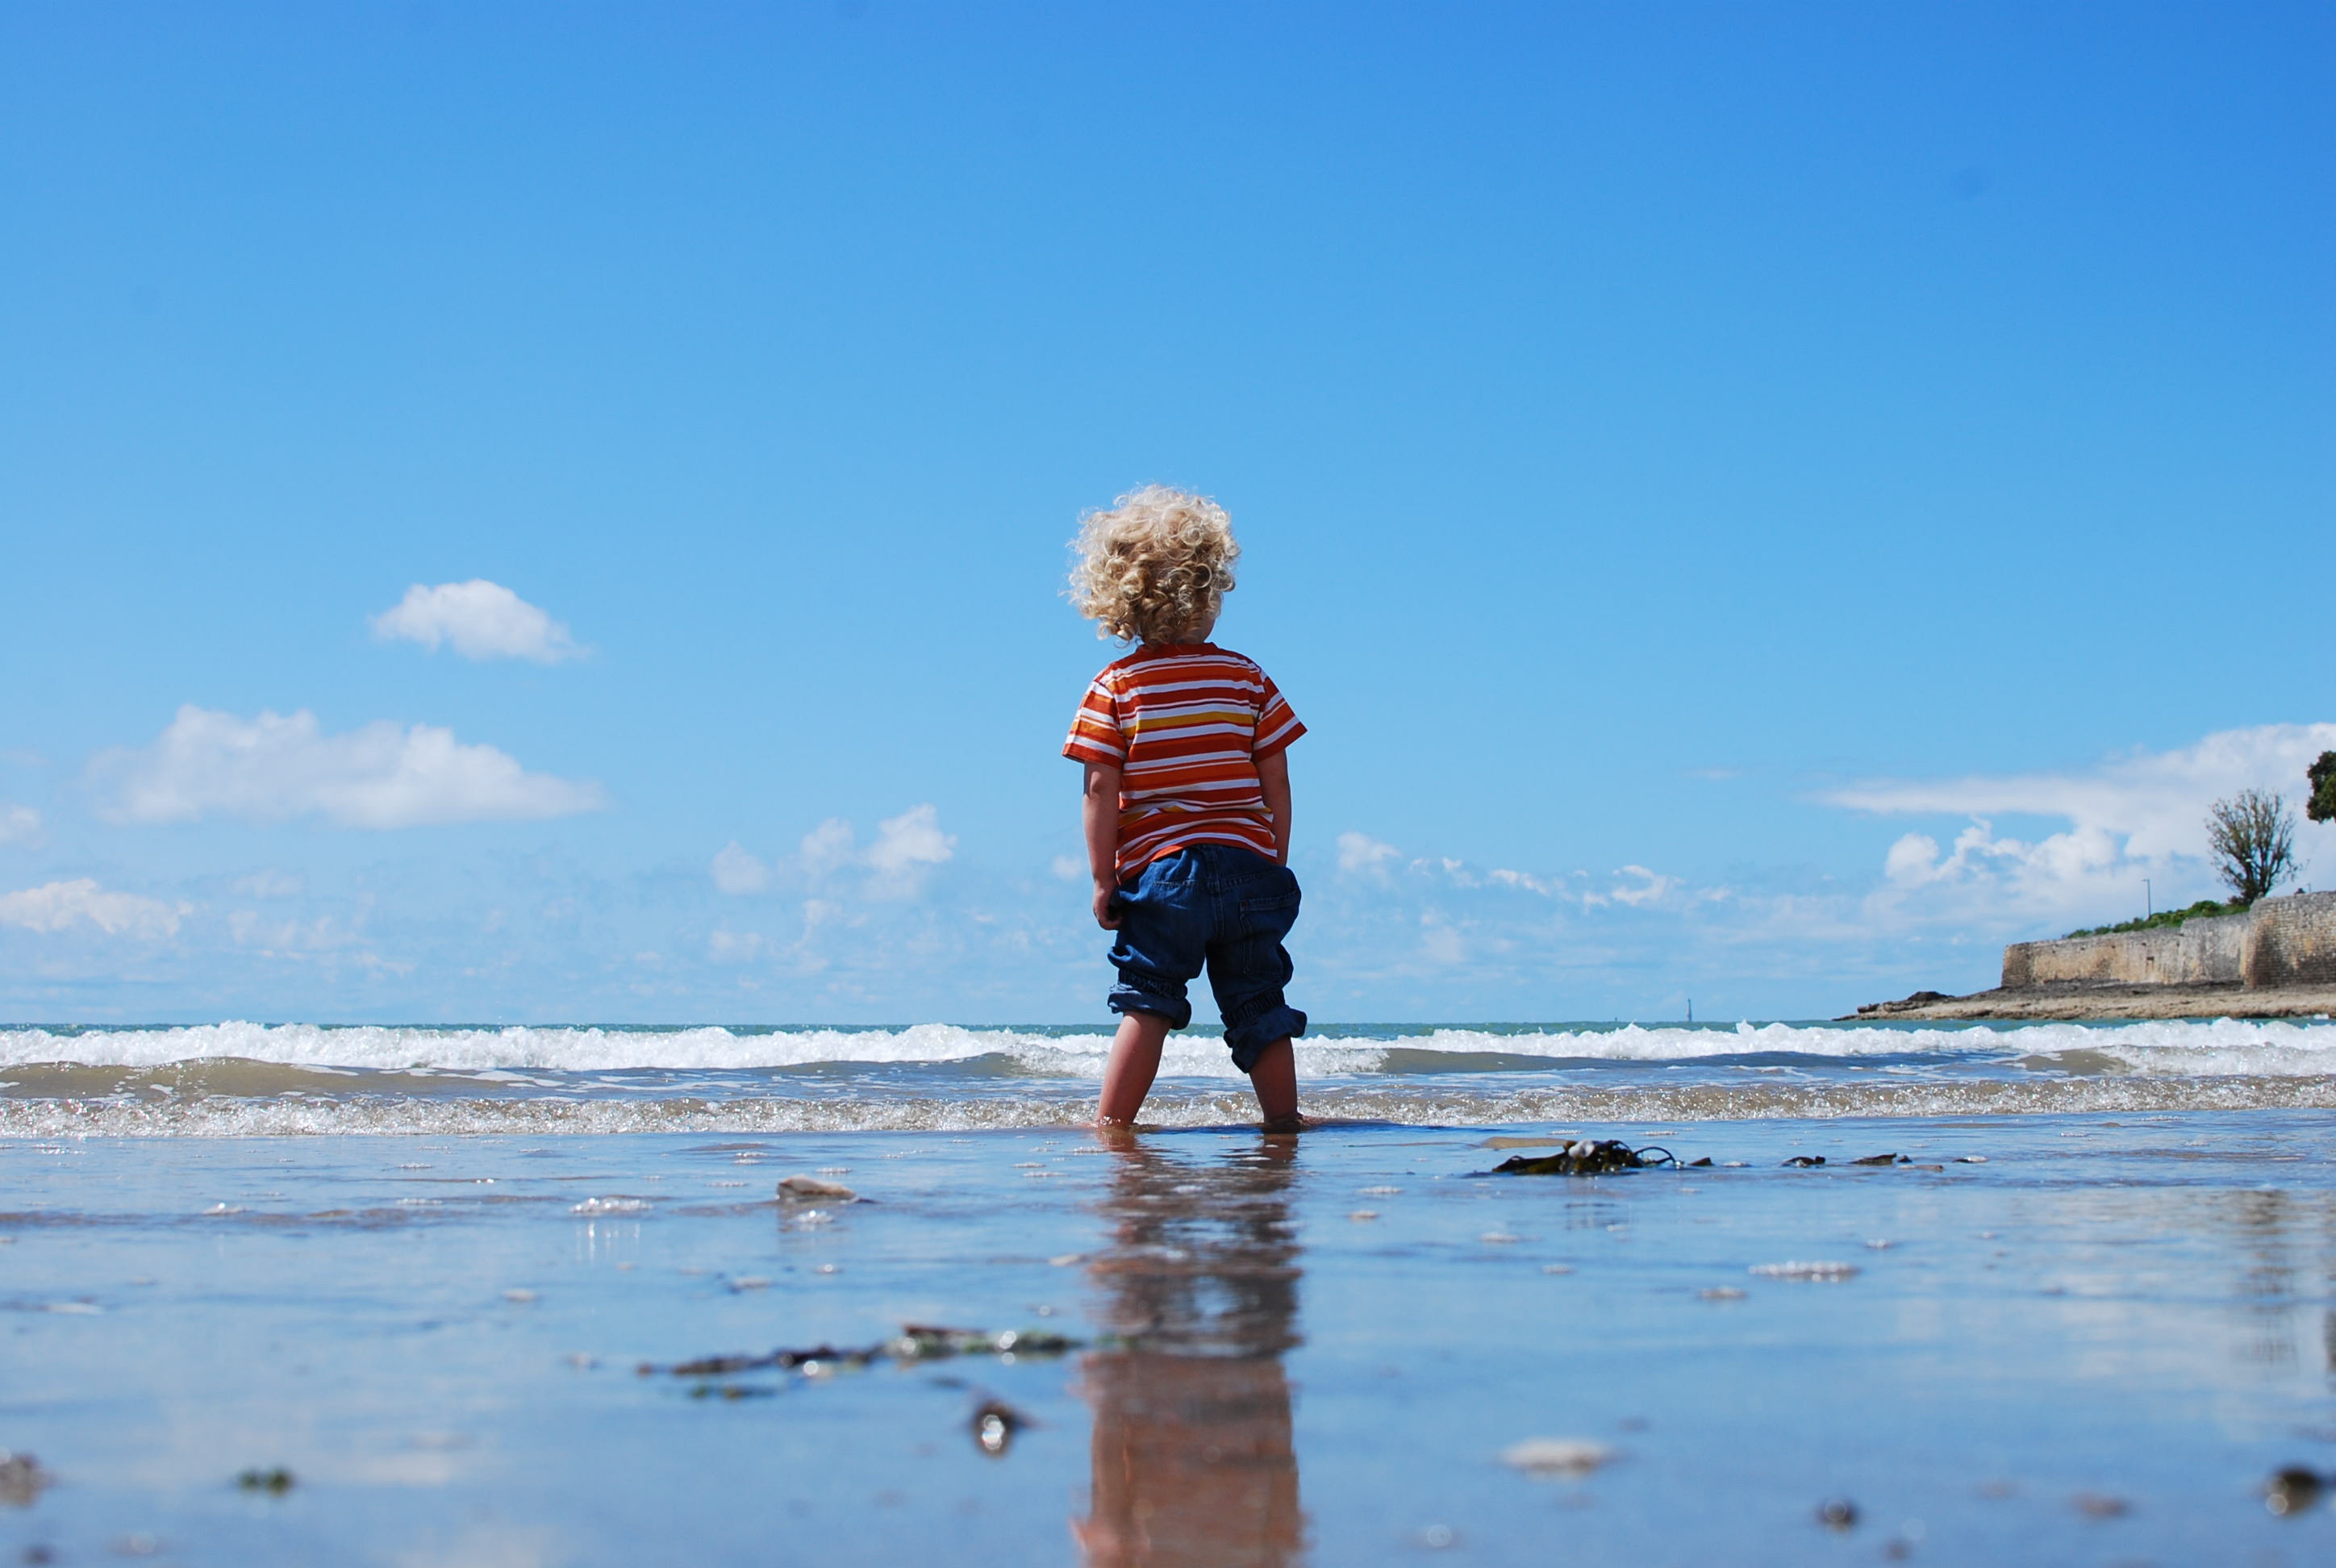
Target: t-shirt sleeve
[[1095, 732], [1276, 726]]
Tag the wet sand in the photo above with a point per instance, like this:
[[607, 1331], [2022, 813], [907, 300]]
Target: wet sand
[[2095, 1346]]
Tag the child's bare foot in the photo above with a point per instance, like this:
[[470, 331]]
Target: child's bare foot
[[1292, 1123]]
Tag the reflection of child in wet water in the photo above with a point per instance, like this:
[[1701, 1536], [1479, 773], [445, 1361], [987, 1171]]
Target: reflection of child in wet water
[[1192, 1457], [1187, 799]]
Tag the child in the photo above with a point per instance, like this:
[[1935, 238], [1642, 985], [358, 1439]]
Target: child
[[1187, 801]]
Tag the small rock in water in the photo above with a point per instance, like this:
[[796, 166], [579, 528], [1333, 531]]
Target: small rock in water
[[812, 1190], [1837, 1514], [522, 1297], [1364, 1214], [1721, 1293], [1820, 1271], [2100, 1505], [1692, 1165], [2293, 1490], [1557, 1267], [1556, 1455], [994, 1426], [1970, 1159], [1881, 1160], [275, 1481], [1805, 1162], [22, 1479]]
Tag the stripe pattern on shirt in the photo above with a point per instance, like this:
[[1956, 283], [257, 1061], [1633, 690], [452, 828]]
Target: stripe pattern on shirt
[[1185, 723]]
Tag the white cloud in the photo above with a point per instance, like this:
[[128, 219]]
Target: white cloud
[[18, 824], [736, 869], [60, 906], [908, 842], [482, 619], [269, 884], [1069, 868], [2155, 803], [275, 766], [734, 946], [2141, 814], [827, 846], [1362, 852], [1651, 887]]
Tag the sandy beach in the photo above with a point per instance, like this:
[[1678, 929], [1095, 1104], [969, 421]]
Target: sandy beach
[[2069, 1337]]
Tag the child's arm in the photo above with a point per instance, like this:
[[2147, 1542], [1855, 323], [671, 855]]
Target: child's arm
[[1273, 782], [1099, 815]]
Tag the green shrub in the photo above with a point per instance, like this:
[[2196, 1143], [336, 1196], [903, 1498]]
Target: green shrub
[[2204, 909]]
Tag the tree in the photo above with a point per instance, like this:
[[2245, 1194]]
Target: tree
[[2253, 838], [2322, 806]]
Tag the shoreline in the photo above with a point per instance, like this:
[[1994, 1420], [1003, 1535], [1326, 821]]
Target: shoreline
[[2078, 1001]]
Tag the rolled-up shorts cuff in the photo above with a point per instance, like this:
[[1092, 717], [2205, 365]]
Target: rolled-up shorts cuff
[[1125, 998], [1250, 1037]]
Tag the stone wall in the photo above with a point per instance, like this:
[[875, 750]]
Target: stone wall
[[2289, 941], [2293, 941]]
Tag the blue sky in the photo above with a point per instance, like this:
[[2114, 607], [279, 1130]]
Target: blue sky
[[1690, 459]]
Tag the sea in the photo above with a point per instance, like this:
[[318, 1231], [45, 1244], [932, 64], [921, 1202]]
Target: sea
[[236, 1079]]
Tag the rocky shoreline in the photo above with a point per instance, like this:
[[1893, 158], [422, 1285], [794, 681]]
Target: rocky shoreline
[[2072, 1000]]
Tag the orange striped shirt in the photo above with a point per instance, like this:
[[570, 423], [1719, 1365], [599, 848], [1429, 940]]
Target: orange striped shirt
[[1185, 723]]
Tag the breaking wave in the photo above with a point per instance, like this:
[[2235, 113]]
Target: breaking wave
[[253, 1079], [2178, 1048]]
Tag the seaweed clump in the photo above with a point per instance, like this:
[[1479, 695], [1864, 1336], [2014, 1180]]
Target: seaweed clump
[[1586, 1157]]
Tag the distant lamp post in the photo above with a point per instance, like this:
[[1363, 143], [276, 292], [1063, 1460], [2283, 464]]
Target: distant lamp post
[[2148, 898]]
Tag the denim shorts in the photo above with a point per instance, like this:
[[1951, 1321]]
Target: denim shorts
[[1218, 905]]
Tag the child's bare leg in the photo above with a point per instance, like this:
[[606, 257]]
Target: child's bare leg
[[1135, 1063], [1275, 1079]]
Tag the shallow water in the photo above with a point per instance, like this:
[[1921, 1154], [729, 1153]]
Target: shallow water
[[418, 1267], [2094, 1347]]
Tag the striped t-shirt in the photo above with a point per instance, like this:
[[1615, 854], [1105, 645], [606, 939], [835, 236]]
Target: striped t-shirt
[[1185, 723]]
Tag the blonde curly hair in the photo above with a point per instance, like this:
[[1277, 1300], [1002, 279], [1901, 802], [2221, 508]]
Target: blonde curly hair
[[1155, 566]]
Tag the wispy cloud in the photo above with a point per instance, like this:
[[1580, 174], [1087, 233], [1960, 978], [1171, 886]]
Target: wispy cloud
[[906, 847], [737, 870], [55, 907], [2139, 814], [481, 619], [18, 824], [908, 843], [276, 767]]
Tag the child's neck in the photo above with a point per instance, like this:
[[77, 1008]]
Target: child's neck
[[1193, 637]]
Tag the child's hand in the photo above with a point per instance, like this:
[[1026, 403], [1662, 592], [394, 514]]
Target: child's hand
[[1105, 897]]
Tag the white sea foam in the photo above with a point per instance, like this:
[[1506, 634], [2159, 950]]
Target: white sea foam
[[2297, 1048], [1414, 1102]]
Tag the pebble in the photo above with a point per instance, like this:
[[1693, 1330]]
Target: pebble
[[812, 1190], [1820, 1270], [1556, 1455], [2293, 1490]]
